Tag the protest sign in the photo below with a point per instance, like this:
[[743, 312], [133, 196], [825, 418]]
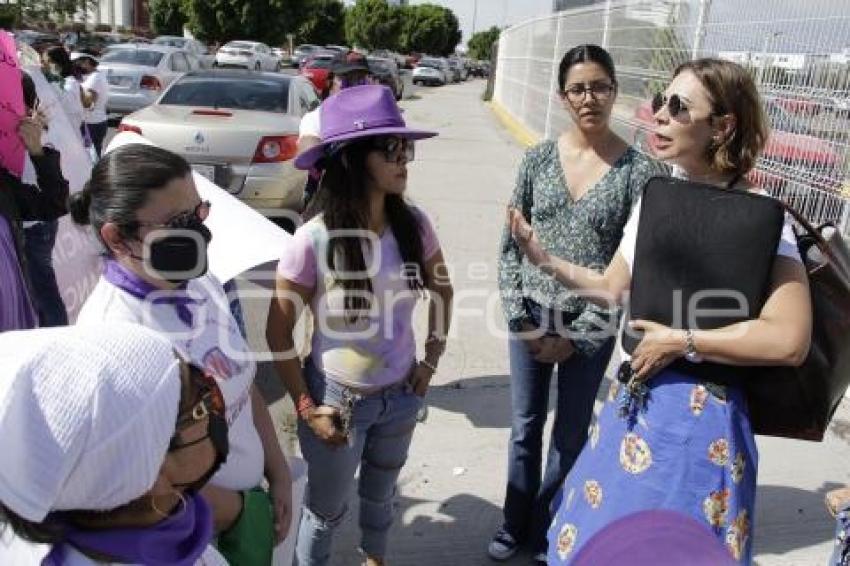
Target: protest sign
[[12, 150]]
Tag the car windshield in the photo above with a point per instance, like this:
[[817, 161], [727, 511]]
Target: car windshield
[[240, 45], [433, 63], [170, 41], [264, 95], [379, 66], [304, 48], [141, 57], [320, 63]]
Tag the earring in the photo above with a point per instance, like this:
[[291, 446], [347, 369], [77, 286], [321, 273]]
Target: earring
[[159, 511]]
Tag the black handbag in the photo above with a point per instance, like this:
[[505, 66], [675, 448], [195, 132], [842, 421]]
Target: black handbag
[[798, 402]]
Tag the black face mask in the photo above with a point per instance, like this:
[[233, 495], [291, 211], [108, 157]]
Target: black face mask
[[210, 406], [180, 255]]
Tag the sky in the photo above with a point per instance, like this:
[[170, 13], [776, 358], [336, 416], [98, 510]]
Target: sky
[[490, 12]]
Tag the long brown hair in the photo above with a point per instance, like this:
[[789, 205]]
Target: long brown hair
[[732, 91], [343, 200]]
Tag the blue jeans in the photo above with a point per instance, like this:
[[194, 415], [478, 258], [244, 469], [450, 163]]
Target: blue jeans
[[39, 240], [528, 500], [381, 429]]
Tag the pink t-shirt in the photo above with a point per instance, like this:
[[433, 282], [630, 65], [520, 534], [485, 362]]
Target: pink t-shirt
[[378, 349]]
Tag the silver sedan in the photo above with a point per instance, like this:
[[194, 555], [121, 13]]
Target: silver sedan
[[138, 74]]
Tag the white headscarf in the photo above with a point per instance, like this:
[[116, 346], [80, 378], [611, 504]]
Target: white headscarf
[[86, 415]]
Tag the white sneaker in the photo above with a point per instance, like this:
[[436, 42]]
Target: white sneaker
[[503, 545], [540, 558]]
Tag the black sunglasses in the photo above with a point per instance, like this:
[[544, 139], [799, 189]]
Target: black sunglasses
[[209, 400], [393, 148], [183, 219], [674, 104]]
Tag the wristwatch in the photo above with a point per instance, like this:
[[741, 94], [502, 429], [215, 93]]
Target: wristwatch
[[691, 353]]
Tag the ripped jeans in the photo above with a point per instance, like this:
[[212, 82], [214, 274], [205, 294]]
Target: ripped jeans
[[380, 430]]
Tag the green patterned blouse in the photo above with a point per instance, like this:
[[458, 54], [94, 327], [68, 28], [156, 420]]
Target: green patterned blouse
[[586, 232]]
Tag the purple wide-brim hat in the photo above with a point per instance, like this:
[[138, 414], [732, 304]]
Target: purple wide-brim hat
[[358, 112], [657, 537]]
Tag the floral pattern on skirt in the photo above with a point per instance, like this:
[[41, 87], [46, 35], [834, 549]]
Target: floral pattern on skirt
[[691, 450]]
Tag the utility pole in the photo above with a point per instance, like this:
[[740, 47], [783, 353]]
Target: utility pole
[[474, 16]]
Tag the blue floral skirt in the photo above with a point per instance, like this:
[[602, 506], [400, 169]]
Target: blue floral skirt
[[689, 450]]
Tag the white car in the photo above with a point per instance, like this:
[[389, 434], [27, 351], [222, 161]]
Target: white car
[[138, 74], [248, 55], [431, 71], [196, 48]]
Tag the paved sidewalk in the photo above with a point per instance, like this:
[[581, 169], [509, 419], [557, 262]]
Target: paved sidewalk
[[453, 484]]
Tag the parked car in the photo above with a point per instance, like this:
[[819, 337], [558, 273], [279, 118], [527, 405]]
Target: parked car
[[431, 71], [317, 69], [385, 72], [238, 129], [341, 49], [799, 155], [36, 39], [304, 52], [97, 43], [248, 55], [138, 74], [459, 68], [196, 48]]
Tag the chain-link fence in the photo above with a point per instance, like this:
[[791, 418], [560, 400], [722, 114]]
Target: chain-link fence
[[798, 52]]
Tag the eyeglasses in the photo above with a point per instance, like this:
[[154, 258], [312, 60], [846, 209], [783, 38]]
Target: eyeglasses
[[395, 148], [576, 93], [184, 219], [675, 104], [210, 401]]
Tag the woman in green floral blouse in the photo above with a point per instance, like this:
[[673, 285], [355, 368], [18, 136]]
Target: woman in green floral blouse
[[577, 192]]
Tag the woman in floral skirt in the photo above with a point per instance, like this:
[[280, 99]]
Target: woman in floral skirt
[[690, 448]]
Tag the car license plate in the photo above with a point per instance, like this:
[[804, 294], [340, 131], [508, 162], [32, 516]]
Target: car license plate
[[207, 171], [123, 82]]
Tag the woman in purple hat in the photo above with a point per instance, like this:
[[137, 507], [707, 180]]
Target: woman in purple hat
[[360, 264]]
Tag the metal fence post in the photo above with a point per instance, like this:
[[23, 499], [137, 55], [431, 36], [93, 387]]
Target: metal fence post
[[606, 23], [525, 83], [702, 22], [553, 79]]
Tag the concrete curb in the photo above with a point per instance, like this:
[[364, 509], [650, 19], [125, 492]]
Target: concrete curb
[[521, 134]]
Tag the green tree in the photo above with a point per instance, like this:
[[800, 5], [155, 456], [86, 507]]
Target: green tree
[[324, 24], [374, 24], [481, 43], [168, 16], [52, 9], [454, 35], [424, 29], [262, 20]]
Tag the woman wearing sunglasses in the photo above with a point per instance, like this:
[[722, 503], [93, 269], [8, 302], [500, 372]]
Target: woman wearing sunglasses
[[361, 265], [107, 437], [692, 449], [144, 208], [577, 192]]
